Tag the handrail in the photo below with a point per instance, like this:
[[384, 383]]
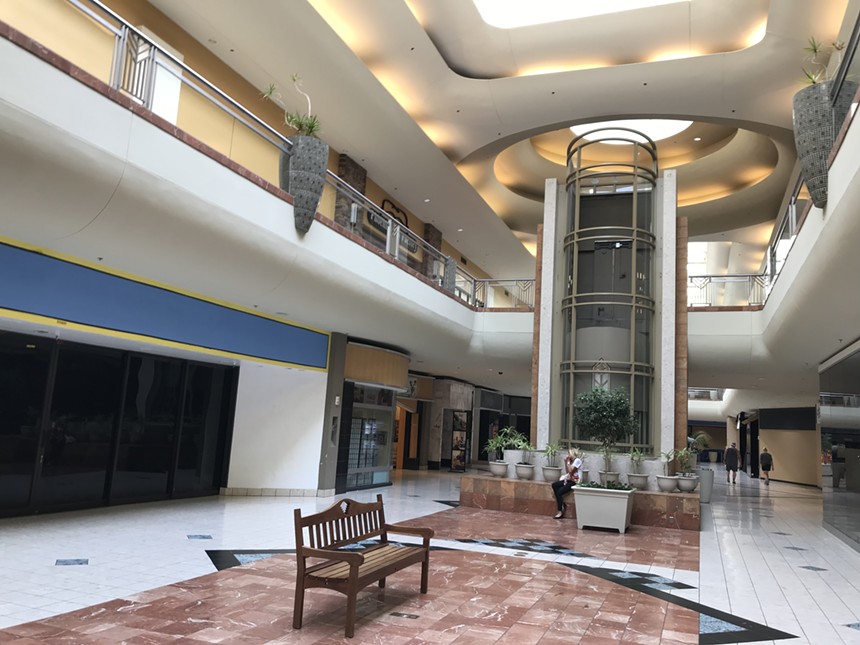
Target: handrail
[[732, 290], [179, 63]]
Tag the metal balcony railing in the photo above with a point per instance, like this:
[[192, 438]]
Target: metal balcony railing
[[161, 82], [726, 290]]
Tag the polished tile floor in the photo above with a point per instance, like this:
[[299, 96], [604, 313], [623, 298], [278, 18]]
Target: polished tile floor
[[761, 570]]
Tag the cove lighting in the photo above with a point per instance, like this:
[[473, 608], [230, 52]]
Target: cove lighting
[[509, 14], [656, 129]]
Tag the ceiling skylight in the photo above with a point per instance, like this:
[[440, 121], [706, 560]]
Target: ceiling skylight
[[508, 14], [656, 129]]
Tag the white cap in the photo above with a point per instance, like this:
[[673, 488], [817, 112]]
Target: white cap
[[577, 463]]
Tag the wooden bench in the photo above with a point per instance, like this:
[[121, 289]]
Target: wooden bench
[[321, 536]]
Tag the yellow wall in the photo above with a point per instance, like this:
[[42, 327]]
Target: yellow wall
[[65, 30], [796, 455]]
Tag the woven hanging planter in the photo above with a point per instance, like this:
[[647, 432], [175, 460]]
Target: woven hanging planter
[[816, 122], [302, 174]]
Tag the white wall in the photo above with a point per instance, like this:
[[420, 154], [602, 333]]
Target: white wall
[[277, 432]]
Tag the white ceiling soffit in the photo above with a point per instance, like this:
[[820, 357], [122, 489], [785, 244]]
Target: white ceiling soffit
[[474, 49]]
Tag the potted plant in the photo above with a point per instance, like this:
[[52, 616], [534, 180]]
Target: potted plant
[[551, 470], [303, 166], [687, 479], [604, 416], [524, 467], [495, 448], [607, 505], [814, 115], [636, 477], [666, 482]]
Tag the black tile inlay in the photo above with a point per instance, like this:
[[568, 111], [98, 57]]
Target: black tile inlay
[[854, 626], [199, 536], [811, 568], [400, 614], [519, 544], [226, 559], [796, 548], [722, 628], [780, 533], [449, 502], [71, 562]]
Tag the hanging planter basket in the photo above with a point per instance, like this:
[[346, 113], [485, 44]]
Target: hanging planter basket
[[302, 174], [816, 122]]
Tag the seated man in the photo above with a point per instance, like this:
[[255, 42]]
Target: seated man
[[568, 480]]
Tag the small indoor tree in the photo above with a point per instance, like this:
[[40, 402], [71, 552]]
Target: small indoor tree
[[604, 416]]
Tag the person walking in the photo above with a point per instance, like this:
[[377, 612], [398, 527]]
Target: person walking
[[732, 459], [765, 460]]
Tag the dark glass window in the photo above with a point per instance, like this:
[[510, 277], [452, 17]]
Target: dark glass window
[[84, 409], [201, 443], [148, 427], [24, 362]]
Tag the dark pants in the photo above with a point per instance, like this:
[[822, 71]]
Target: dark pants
[[560, 489]]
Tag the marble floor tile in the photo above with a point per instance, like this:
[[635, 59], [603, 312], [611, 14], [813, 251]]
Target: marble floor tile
[[496, 577]]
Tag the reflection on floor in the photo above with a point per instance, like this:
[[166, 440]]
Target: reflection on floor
[[222, 570]]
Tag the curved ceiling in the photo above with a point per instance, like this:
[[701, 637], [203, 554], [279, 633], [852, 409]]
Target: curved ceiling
[[431, 77]]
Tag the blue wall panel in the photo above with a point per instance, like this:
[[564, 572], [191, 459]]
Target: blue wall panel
[[38, 284]]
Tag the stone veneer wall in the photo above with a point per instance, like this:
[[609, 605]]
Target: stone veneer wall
[[650, 508], [356, 176]]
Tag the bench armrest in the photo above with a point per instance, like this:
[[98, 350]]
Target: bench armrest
[[425, 533], [350, 557]]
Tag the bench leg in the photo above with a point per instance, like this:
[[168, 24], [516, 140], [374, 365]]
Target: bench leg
[[382, 583], [424, 569], [349, 632], [298, 606]]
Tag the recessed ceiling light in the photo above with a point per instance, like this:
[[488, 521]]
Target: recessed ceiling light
[[697, 138], [655, 129], [427, 201], [459, 230]]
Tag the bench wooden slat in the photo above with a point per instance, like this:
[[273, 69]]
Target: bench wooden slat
[[374, 559]]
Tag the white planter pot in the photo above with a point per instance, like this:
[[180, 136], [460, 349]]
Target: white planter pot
[[499, 468], [551, 473], [603, 508], [639, 481], [687, 483], [525, 471], [609, 477], [667, 483], [706, 481]]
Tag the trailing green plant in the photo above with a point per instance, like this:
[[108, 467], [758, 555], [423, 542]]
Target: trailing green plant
[[668, 458], [607, 485], [699, 441], [527, 450], [819, 59], [684, 456], [604, 416], [551, 452], [505, 438], [307, 125], [636, 457]]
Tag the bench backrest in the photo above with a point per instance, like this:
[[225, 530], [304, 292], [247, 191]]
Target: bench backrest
[[345, 522]]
